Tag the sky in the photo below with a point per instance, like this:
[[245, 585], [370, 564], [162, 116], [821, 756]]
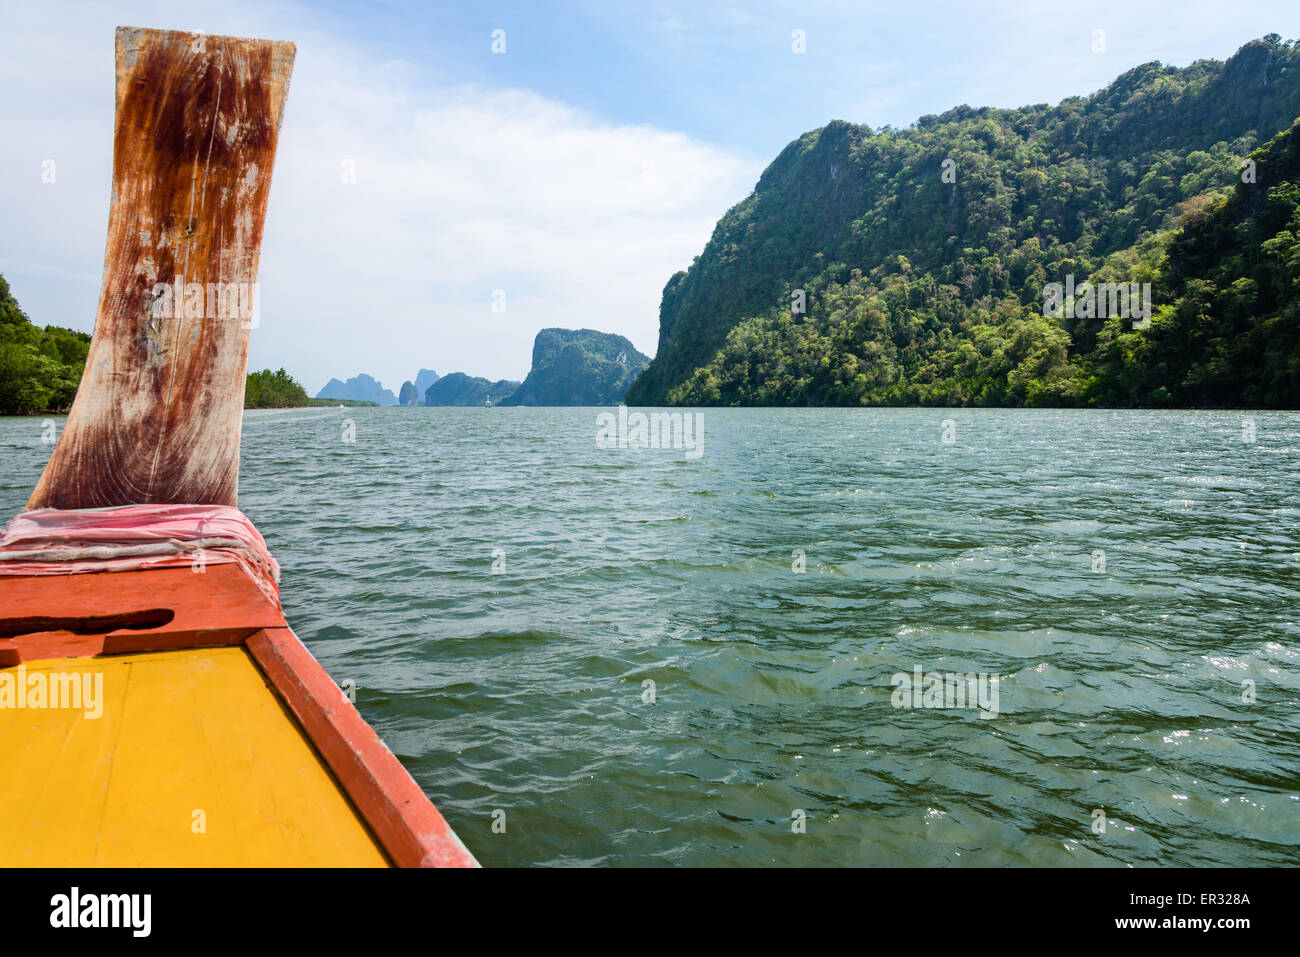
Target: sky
[[424, 180]]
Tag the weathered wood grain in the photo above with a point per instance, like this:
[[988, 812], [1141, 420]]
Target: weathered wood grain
[[157, 417]]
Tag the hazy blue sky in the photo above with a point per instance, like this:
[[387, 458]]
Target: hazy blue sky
[[577, 171]]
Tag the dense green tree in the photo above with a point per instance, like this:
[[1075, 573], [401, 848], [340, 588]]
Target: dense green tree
[[273, 390], [40, 369]]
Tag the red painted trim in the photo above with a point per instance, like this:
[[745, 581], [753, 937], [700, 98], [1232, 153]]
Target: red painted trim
[[221, 598], [127, 642], [406, 823], [44, 645], [40, 645]]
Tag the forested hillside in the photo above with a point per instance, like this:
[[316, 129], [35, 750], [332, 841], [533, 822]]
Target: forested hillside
[[910, 266]]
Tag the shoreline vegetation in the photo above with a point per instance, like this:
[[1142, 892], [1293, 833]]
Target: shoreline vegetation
[[981, 258], [40, 368]]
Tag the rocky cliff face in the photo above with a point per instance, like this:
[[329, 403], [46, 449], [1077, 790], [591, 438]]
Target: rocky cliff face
[[423, 379], [362, 388], [579, 367]]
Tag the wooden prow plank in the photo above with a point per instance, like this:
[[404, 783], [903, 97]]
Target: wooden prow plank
[[157, 417]]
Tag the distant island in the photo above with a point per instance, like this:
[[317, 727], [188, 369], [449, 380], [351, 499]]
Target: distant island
[[412, 393], [569, 367], [457, 388], [579, 367], [361, 388]]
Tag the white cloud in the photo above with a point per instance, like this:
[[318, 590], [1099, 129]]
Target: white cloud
[[460, 190]]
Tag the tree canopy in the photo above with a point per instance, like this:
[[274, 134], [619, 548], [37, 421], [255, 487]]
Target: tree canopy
[[273, 390]]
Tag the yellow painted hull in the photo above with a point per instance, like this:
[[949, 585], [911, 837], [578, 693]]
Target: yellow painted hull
[[193, 762]]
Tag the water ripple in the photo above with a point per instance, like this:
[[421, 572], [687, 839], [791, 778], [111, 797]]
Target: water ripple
[[505, 596]]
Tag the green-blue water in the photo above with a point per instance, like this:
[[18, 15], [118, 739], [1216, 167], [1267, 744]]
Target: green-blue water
[[522, 689]]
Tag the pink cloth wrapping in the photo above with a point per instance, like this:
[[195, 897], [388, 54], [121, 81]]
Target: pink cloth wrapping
[[52, 541]]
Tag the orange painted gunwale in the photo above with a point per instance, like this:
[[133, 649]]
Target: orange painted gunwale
[[407, 824]]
